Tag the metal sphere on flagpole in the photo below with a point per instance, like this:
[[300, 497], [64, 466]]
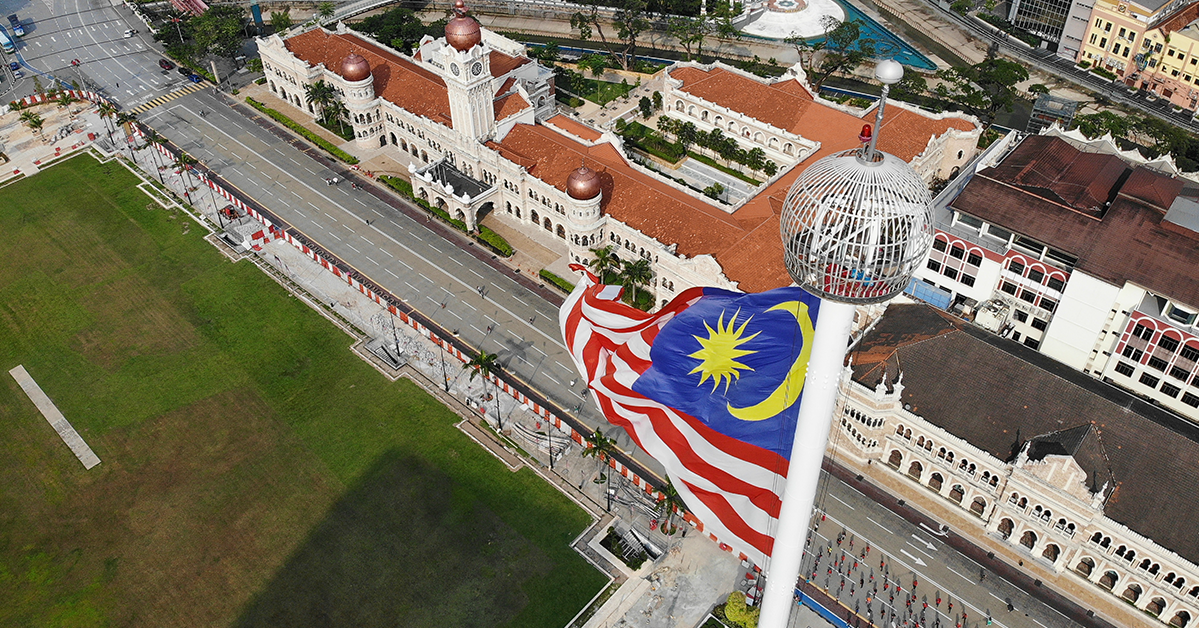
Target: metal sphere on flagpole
[[855, 226]]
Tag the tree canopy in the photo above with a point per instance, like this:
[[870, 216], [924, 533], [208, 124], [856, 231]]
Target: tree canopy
[[218, 31], [983, 89], [400, 28], [842, 49]]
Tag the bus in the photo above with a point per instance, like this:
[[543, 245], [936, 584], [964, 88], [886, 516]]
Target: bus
[[6, 42]]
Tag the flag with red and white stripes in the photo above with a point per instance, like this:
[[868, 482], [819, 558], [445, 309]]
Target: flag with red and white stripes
[[709, 386]]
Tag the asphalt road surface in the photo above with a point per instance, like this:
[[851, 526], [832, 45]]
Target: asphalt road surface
[[92, 31]]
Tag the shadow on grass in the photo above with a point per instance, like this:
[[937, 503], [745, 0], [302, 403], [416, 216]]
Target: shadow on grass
[[404, 547]]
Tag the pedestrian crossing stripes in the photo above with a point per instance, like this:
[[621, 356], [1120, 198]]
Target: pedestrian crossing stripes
[[183, 91]]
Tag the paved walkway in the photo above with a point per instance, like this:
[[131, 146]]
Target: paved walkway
[[55, 418]]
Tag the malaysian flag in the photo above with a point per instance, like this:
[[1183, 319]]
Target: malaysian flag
[[709, 386]]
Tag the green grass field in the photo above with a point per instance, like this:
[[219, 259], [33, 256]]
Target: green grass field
[[255, 472]]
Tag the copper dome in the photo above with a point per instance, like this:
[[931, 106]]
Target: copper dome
[[355, 68], [583, 184], [462, 32]]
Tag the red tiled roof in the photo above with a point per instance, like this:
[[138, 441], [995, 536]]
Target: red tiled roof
[[781, 108], [502, 64], [906, 133], [509, 105], [577, 129], [1129, 242], [397, 80], [505, 87], [635, 199]]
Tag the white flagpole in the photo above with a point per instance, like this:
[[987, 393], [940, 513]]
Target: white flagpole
[[833, 324]]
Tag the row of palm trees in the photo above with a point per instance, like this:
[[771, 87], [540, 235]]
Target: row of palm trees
[[184, 162], [629, 274]]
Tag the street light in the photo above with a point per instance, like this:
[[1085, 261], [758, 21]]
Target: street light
[[855, 226]]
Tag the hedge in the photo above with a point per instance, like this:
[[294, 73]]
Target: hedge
[[279, 117], [485, 236], [558, 282]]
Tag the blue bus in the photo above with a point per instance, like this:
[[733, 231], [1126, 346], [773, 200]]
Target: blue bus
[[6, 42]]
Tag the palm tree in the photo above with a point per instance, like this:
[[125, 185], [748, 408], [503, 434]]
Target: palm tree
[[65, 100], [488, 365], [326, 9], [605, 262], [33, 121], [669, 501], [154, 140], [337, 109], [601, 447], [107, 110], [322, 95], [124, 119], [185, 162], [634, 275]]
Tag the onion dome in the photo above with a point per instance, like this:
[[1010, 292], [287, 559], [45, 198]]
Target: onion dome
[[462, 32], [583, 184], [355, 68]]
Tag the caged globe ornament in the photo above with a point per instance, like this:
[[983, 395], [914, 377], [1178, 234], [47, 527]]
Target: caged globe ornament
[[856, 224]]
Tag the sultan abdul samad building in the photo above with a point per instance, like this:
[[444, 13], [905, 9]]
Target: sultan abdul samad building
[[478, 121]]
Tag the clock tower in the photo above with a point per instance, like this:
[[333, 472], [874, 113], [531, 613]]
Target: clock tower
[[467, 75]]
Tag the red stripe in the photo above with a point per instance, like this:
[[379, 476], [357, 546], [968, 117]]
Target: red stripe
[[732, 521]]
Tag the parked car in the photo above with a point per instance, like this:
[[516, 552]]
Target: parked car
[[18, 74], [195, 78], [14, 66], [166, 65], [184, 71]]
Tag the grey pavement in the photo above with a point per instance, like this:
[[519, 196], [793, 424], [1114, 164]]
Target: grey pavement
[[53, 416]]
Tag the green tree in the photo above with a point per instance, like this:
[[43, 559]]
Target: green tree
[[669, 502], [595, 63], [281, 20], [65, 100], [601, 448], [184, 163], [126, 120], [322, 95], [254, 65], [1095, 125], [337, 110], [218, 31], [646, 106], [326, 9], [691, 32], [722, 15], [714, 191], [739, 613], [635, 274], [33, 121], [983, 89], [488, 365], [630, 21], [657, 101], [841, 50], [587, 22], [154, 140], [604, 264], [549, 53], [400, 28], [107, 112], [911, 86]]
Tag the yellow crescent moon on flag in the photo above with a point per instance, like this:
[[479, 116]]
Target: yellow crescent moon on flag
[[792, 385]]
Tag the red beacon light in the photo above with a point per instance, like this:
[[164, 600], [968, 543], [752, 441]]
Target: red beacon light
[[866, 134]]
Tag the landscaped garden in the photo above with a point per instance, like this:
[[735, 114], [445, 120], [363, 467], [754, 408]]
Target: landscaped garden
[[255, 472]]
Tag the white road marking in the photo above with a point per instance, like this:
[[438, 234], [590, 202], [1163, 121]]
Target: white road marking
[[368, 258], [391, 273], [334, 235], [352, 247], [842, 501], [878, 524], [467, 304]]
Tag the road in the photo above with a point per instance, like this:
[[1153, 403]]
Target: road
[[440, 278], [92, 31]]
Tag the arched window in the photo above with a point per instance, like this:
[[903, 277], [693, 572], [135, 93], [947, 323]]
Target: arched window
[[1029, 539], [941, 453], [561, 232], [920, 442], [1132, 593], [1005, 528], [978, 506], [1156, 606], [915, 470], [533, 215], [1085, 567], [949, 457], [1145, 564], [1097, 537], [935, 481], [1013, 499], [1120, 551], [1130, 556], [547, 224], [1181, 619], [678, 105], [957, 493], [788, 148], [1023, 503], [1051, 552], [895, 460], [907, 434], [703, 115], [899, 430], [1109, 580]]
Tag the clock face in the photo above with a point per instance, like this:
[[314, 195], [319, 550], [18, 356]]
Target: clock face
[[454, 68], [477, 69]]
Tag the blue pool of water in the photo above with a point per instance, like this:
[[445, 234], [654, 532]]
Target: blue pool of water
[[887, 44]]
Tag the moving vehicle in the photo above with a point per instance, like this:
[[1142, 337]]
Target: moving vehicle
[[6, 43], [17, 29], [166, 65], [130, 33]]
